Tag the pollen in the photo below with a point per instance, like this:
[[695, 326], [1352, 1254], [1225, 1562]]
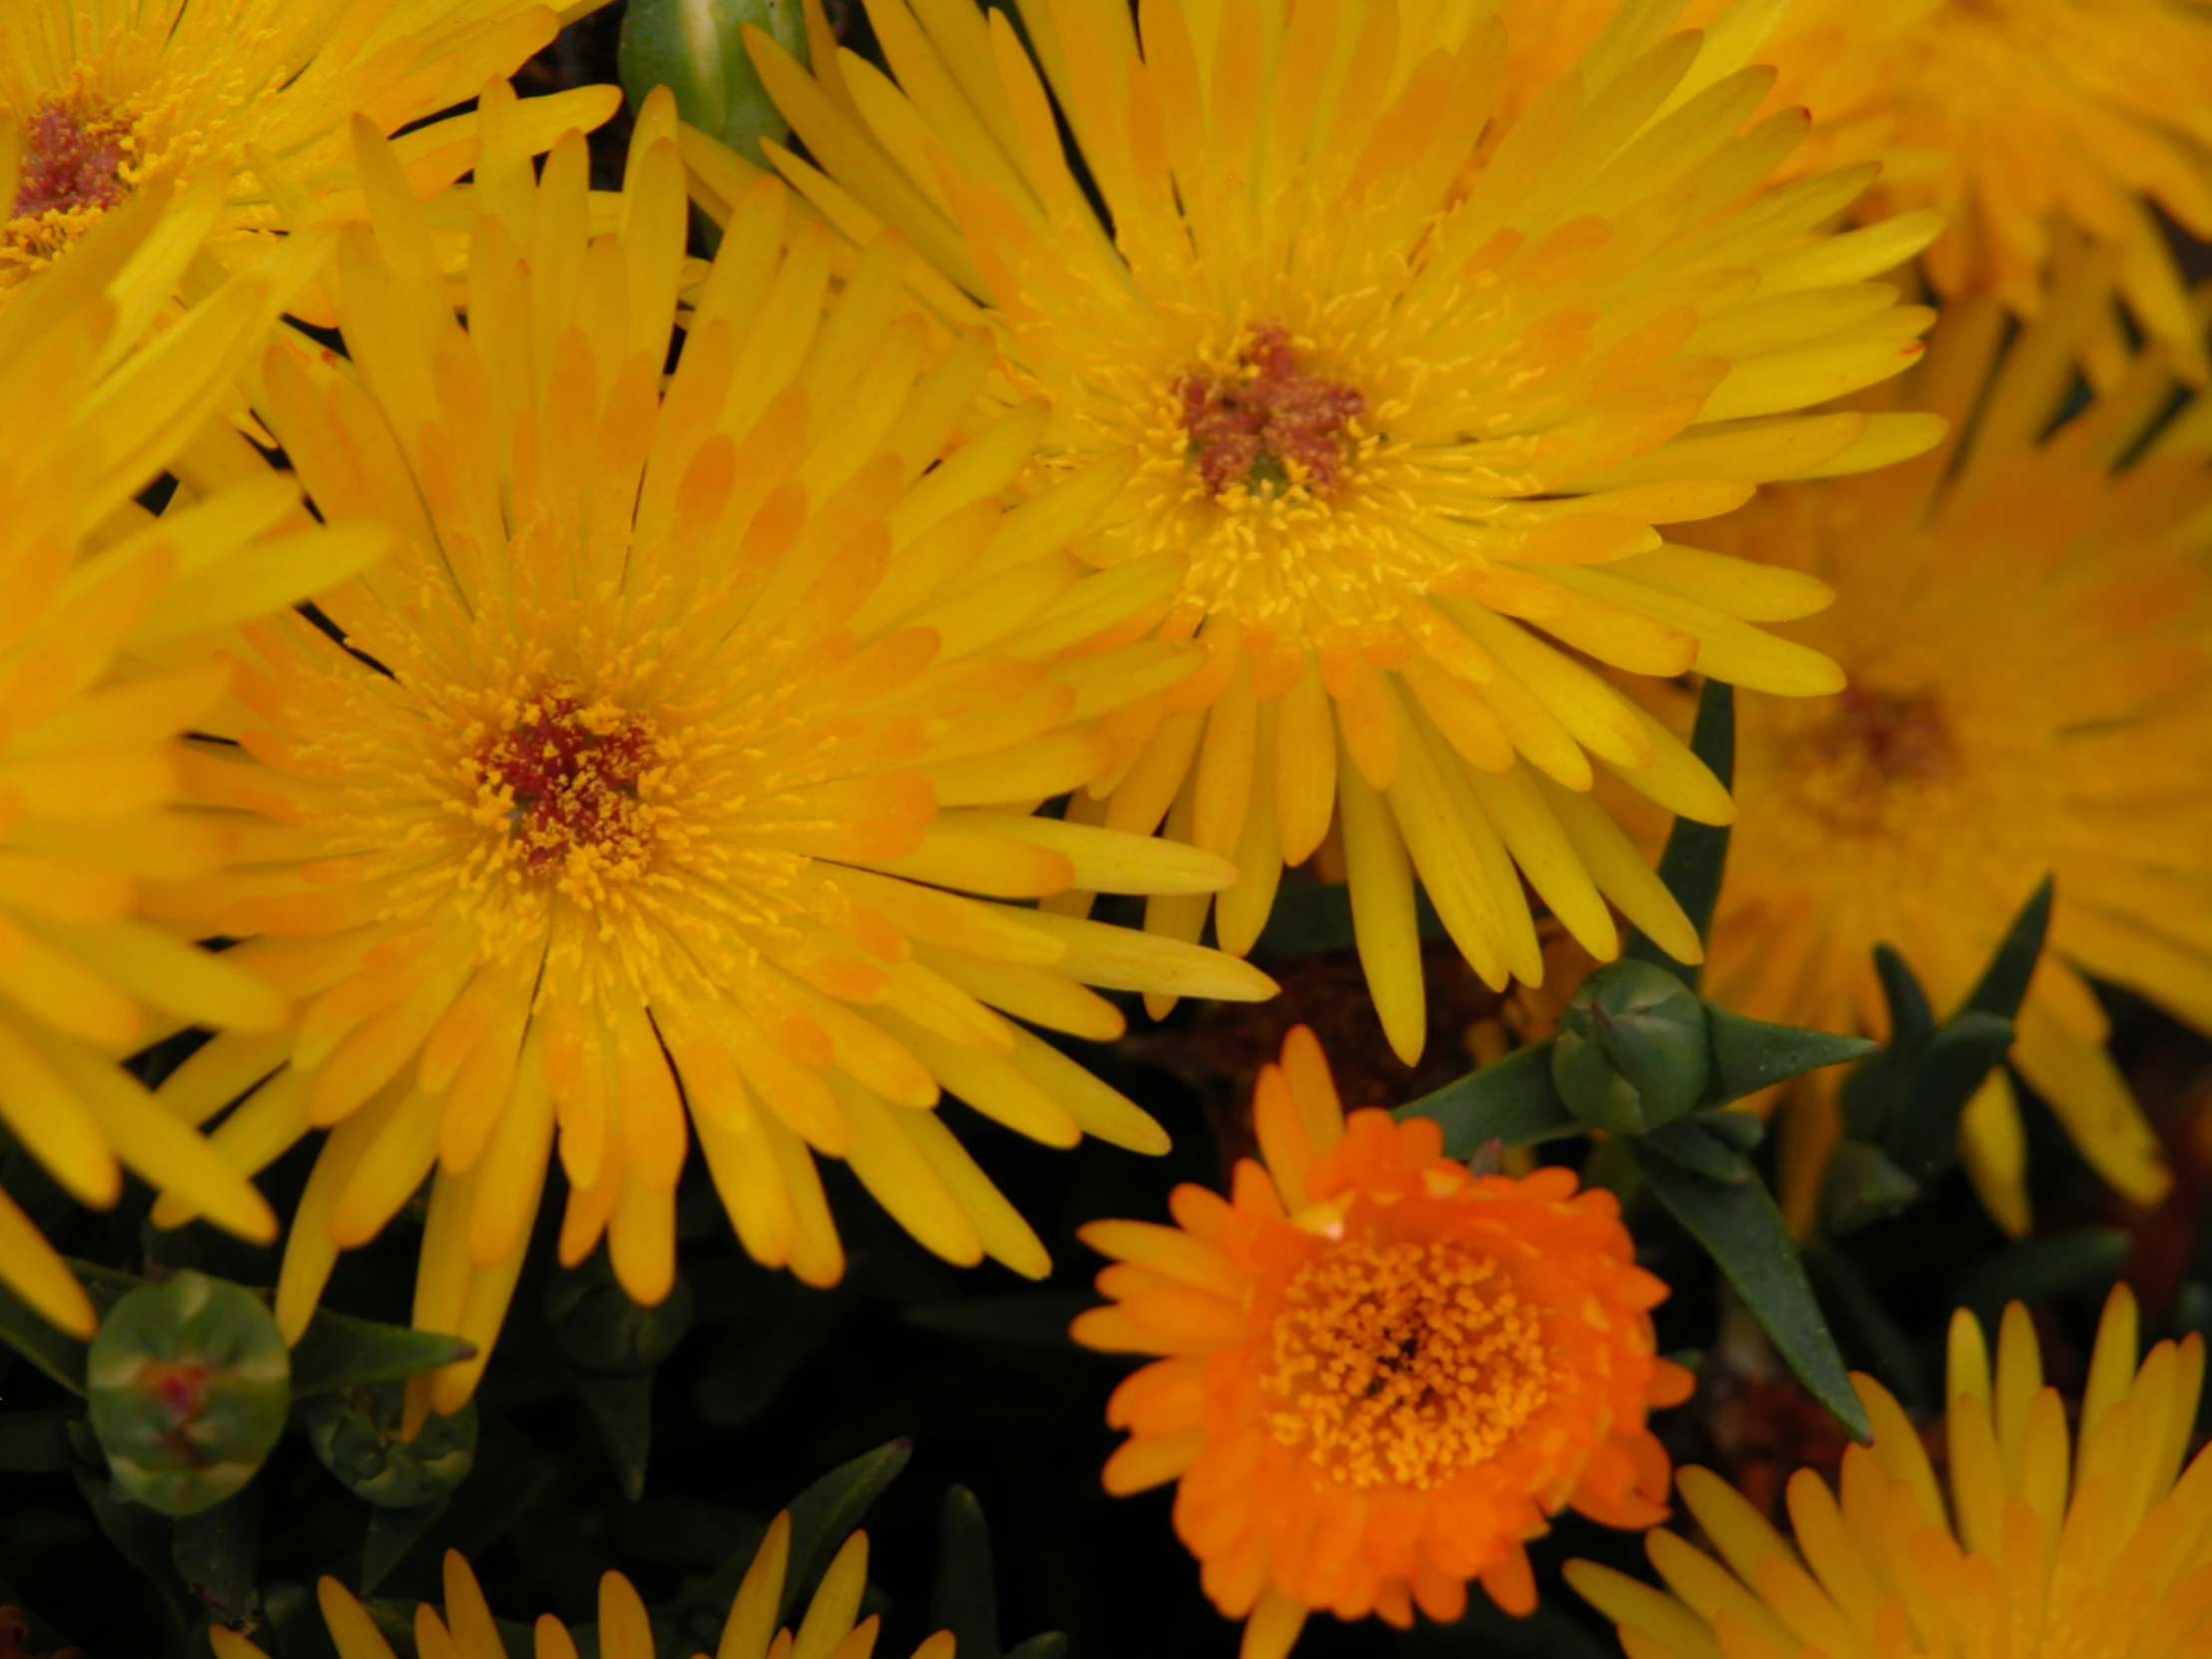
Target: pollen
[[572, 792], [82, 155], [1403, 1362], [1266, 426]]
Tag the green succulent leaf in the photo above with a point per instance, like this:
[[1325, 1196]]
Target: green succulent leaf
[[964, 1597], [339, 1350], [392, 1534], [1046, 1644], [1752, 1054], [1689, 1143], [600, 1330], [696, 48], [1697, 853], [826, 1512], [217, 1553], [1512, 1101], [1632, 1051], [621, 1409], [1743, 1232], [1924, 1132], [2004, 982], [56, 1352], [1863, 1184], [2084, 1262]]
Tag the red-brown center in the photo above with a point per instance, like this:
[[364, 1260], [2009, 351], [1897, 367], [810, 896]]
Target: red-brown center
[[573, 776], [1266, 426], [73, 159], [1892, 738]]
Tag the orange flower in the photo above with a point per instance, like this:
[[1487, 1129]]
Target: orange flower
[[1382, 1372]]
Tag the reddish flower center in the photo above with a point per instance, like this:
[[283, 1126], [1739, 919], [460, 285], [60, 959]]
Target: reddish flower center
[[75, 154], [569, 777], [1267, 425], [1403, 1362], [1885, 738]]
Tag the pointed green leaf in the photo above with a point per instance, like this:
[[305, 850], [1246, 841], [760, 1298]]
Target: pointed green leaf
[[217, 1552], [1923, 1138], [1875, 1335], [1751, 1054], [392, 1533], [1046, 1644], [826, 1512], [1310, 917], [1912, 1020], [1511, 1101], [1871, 1094], [341, 1351], [56, 1352], [1744, 1234], [2004, 982], [2081, 1263], [1026, 1318], [1697, 853], [1739, 1129], [621, 1409], [1695, 1148], [964, 1599], [698, 51], [1863, 1184]]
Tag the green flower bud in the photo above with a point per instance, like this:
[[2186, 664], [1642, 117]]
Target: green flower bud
[[190, 1382], [696, 48], [1632, 1051], [355, 1432], [602, 1330]]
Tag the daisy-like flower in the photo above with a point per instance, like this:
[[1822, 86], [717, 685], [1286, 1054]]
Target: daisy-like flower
[[2014, 117], [632, 792], [2042, 1547], [467, 1630], [1382, 1373], [2026, 620], [94, 594], [244, 105], [1390, 425]]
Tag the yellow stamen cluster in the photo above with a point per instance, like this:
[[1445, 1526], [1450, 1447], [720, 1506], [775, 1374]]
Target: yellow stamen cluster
[[1401, 1362], [82, 155]]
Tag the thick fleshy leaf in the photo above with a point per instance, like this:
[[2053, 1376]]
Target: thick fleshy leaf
[[1863, 1184], [826, 1512], [1512, 1101], [217, 1552], [1923, 1138], [1872, 1090], [2004, 982], [1752, 1054], [1697, 853], [391, 1535], [621, 1409], [2083, 1262], [341, 1351], [1743, 1232], [1697, 1149], [697, 52], [964, 1597]]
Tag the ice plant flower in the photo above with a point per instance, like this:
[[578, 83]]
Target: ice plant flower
[[2041, 1548], [244, 105], [2012, 117], [93, 591], [466, 1629], [2026, 620], [1381, 1374], [1391, 426], [629, 802]]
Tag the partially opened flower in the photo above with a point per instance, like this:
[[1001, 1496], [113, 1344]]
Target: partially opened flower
[[2026, 620], [1382, 1373], [1389, 429], [2026, 1545], [831, 1627], [2015, 117], [245, 107], [94, 594], [627, 804]]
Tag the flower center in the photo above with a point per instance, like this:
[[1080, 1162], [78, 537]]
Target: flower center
[[567, 782], [1872, 741], [81, 155], [1263, 427], [1403, 1363]]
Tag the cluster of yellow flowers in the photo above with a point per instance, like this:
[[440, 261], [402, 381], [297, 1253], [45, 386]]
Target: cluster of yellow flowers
[[533, 694]]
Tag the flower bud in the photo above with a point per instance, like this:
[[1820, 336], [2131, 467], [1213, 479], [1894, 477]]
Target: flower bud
[[600, 1330], [356, 1433], [696, 48], [1632, 1051], [188, 1382]]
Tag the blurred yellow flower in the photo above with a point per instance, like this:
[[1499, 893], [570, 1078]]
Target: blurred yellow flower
[[245, 106], [94, 594], [1386, 426], [628, 804], [2026, 620], [2012, 117], [2043, 1548], [467, 1630]]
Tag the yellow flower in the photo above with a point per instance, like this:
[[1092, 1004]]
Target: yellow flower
[[1381, 1374], [620, 795], [2042, 1550], [94, 591], [245, 105], [2012, 117], [467, 1630], [2026, 620], [1388, 427]]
